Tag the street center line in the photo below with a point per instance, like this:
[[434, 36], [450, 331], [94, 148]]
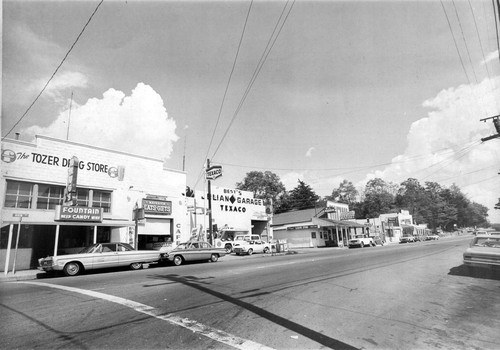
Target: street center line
[[209, 332]]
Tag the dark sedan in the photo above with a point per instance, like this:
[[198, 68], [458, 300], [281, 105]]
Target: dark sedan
[[193, 251]]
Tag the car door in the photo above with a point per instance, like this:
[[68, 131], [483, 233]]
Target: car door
[[194, 252], [128, 255], [107, 256], [206, 251], [257, 246]]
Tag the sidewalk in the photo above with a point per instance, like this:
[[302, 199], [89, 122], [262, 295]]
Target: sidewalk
[[23, 275]]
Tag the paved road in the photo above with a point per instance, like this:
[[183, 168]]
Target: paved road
[[410, 296]]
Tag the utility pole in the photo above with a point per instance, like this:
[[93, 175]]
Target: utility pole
[[209, 233]]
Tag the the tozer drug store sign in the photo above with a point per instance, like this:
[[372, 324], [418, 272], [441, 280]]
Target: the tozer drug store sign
[[80, 214]]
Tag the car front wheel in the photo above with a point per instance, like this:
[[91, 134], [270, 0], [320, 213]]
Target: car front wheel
[[72, 269], [214, 258], [362, 244], [136, 266], [178, 260], [250, 251]]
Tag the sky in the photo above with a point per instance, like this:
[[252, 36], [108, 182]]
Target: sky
[[319, 91]]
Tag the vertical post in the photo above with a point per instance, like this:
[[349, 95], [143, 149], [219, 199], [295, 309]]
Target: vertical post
[[210, 239], [95, 235], [136, 220], [56, 244], [17, 244], [9, 244]]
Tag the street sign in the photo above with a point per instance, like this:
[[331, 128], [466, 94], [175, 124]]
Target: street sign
[[17, 215], [214, 172]]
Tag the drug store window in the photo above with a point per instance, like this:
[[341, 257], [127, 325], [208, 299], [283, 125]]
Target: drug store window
[[49, 196], [94, 198], [19, 194]]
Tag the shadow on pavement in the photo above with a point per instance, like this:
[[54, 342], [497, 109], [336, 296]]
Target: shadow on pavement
[[476, 272], [203, 286]]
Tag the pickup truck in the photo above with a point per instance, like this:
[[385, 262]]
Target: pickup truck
[[361, 241]]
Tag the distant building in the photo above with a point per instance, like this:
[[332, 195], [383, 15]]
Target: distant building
[[392, 224], [231, 208], [329, 224]]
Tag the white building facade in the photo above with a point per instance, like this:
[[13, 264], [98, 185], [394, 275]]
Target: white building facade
[[110, 184]]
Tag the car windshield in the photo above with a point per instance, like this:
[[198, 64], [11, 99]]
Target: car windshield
[[181, 246], [493, 242]]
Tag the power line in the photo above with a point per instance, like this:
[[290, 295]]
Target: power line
[[55, 72], [229, 80], [496, 12], [465, 41], [200, 175], [482, 52], [258, 69], [455, 41]]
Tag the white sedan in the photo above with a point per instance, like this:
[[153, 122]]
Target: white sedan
[[99, 256], [484, 251], [250, 247]]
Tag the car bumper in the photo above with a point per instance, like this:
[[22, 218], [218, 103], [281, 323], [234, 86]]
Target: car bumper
[[481, 262], [240, 251]]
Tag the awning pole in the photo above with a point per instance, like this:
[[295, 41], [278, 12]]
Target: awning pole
[[56, 244], [9, 243]]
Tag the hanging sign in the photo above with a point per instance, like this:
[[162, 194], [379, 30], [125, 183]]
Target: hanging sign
[[213, 172]]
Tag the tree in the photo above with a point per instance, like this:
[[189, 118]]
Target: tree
[[379, 198], [264, 185], [411, 197], [345, 193], [283, 203], [303, 197]]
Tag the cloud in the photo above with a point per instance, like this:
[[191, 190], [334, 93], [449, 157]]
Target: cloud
[[137, 124], [57, 86], [309, 152], [490, 57], [25, 78], [445, 146]]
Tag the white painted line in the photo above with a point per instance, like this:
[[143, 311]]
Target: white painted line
[[209, 332]]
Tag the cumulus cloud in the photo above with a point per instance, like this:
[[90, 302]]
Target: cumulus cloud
[[490, 57], [137, 124], [445, 146], [58, 85]]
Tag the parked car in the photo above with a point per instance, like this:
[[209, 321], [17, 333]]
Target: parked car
[[250, 247], [193, 251], [406, 238], [484, 251], [99, 256], [378, 241], [361, 241], [432, 237]]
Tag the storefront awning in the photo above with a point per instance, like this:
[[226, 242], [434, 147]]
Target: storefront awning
[[332, 223]]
